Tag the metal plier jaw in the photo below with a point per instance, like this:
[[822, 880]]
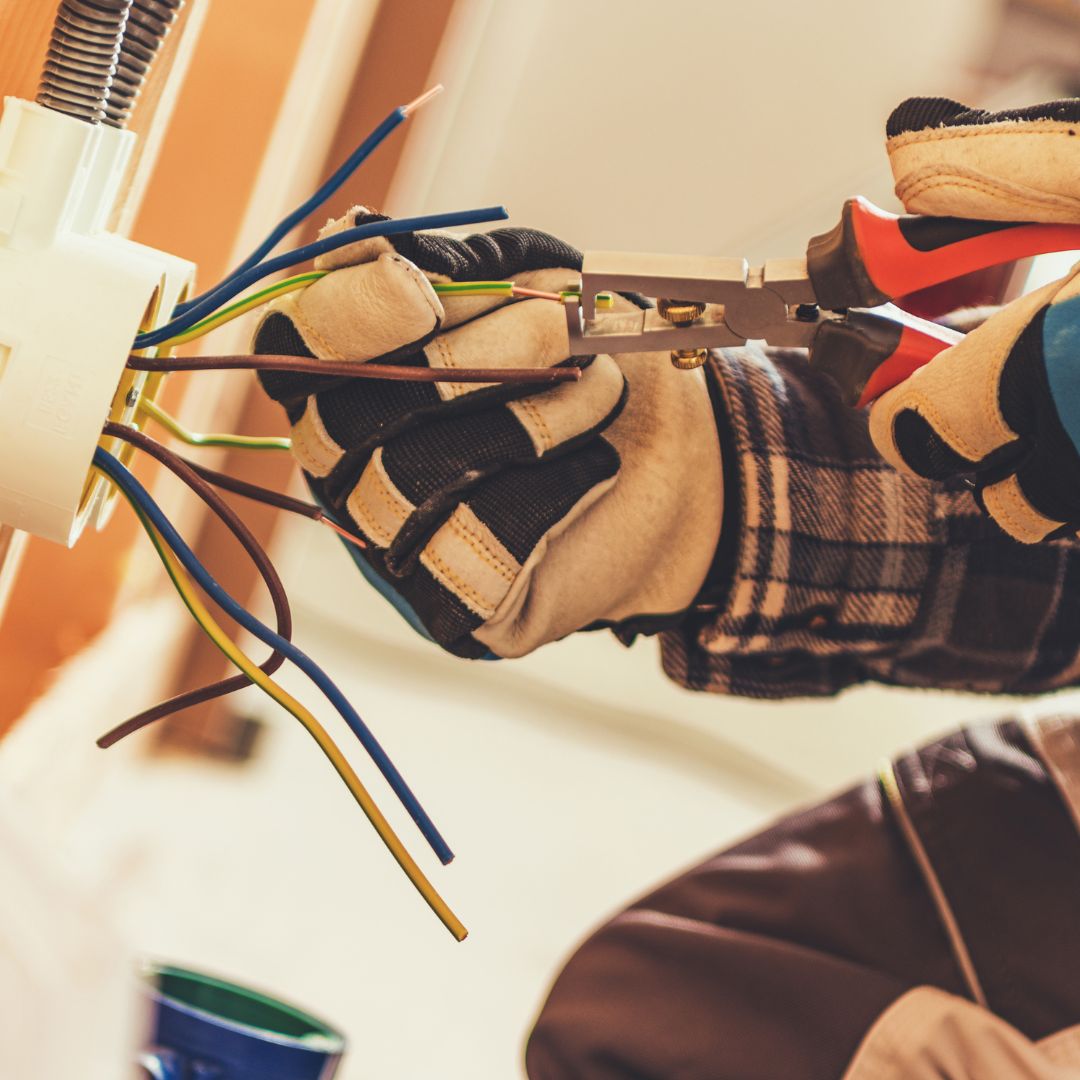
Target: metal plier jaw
[[833, 301], [742, 303]]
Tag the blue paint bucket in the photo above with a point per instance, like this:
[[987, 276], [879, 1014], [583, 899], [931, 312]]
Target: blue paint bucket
[[208, 1029]]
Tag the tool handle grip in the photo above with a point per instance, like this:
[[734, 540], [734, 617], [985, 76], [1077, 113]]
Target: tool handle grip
[[873, 256], [867, 352]]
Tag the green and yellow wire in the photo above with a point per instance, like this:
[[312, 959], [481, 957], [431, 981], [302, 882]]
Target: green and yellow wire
[[244, 305], [257, 676], [195, 438], [302, 281]]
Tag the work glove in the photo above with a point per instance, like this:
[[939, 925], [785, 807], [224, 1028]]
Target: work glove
[[1018, 165], [1002, 406], [497, 517]]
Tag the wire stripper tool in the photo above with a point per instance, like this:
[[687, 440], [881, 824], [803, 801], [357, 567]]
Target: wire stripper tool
[[834, 301]]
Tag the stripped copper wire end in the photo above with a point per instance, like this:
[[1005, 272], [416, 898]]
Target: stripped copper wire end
[[351, 537], [423, 99]]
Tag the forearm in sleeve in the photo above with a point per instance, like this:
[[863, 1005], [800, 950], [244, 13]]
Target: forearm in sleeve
[[834, 569]]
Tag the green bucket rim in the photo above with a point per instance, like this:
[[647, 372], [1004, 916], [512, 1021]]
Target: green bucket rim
[[320, 1037]]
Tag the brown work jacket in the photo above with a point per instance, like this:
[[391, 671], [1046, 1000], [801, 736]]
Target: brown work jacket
[[924, 925]]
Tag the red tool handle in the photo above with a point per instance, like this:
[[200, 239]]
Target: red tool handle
[[867, 353], [873, 256]]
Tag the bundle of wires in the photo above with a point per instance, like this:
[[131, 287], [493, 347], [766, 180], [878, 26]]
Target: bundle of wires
[[171, 548], [205, 312], [330, 187], [190, 321], [236, 283]]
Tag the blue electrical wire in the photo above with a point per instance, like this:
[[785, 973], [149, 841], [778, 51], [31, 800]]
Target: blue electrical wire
[[287, 224], [124, 479], [228, 289]]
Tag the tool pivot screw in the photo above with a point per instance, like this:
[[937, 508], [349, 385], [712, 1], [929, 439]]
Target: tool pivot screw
[[688, 359], [683, 313], [680, 312]]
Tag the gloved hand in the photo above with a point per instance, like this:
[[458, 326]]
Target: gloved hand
[[1016, 165], [498, 518], [1003, 405]]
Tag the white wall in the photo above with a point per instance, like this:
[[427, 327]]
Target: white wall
[[692, 126]]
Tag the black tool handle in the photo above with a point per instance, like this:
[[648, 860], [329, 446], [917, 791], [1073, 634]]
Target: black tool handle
[[867, 353]]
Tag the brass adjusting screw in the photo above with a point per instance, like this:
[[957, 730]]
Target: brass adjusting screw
[[683, 313]]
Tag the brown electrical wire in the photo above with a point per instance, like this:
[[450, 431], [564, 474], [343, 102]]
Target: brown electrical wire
[[243, 534], [254, 491], [272, 498], [353, 369]]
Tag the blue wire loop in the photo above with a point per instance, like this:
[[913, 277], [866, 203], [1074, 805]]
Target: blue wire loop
[[288, 223], [229, 288], [124, 479]]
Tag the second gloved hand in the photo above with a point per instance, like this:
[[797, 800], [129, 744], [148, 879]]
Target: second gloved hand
[[498, 517], [1002, 406]]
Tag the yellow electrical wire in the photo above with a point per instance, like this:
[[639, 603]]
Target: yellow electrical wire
[[195, 438], [248, 666], [241, 307], [302, 281]]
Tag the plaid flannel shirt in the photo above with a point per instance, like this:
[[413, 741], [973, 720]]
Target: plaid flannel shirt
[[834, 569]]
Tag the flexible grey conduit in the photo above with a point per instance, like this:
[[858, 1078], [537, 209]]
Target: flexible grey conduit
[[99, 55], [81, 60], [148, 23]]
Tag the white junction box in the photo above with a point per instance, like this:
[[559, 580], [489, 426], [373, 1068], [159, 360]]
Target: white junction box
[[73, 296]]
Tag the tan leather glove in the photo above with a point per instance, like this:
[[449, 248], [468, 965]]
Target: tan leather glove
[[1018, 165], [498, 518]]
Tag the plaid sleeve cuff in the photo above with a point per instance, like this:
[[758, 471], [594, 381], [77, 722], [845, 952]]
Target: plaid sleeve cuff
[[834, 569]]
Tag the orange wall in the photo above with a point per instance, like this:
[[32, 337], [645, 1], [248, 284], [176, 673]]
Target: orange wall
[[396, 67], [193, 206], [220, 130]]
